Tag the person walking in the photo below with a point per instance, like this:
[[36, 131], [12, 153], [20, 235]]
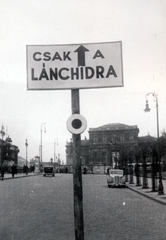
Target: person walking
[[2, 169], [13, 170]]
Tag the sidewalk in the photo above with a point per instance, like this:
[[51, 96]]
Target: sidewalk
[[19, 175], [147, 192]]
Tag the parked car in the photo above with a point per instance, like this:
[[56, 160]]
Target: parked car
[[48, 171], [116, 178]]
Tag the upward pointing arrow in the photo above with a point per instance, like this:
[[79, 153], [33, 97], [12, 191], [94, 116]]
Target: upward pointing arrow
[[81, 55]]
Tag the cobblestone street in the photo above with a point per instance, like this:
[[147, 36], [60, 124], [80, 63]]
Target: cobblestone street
[[39, 208]]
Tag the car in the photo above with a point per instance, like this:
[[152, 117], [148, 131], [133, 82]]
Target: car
[[116, 178], [48, 171]]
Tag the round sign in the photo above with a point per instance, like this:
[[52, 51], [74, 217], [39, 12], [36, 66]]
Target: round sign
[[76, 124]]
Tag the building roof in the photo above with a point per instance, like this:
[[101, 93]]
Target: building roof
[[85, 142], [113, 126], [147, 138]]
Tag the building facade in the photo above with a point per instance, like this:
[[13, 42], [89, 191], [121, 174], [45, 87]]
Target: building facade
[[107, 145], [8, 152]]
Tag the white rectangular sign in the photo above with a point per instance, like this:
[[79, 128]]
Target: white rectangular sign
[[75, 66]]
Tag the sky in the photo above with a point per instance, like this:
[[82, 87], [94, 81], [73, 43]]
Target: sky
[[140, 26]]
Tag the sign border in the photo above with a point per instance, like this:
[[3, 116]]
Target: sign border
[[70, 88]]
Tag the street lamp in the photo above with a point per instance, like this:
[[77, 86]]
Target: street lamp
[[26, 144], [147, 109], [55, 143], [41, 130], [2, 132]]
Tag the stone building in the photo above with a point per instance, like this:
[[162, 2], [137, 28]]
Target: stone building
[[8, 152], [106, 145]]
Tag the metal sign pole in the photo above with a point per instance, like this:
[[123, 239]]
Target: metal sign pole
[[77, 173]]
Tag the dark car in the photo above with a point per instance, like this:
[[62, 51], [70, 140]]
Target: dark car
[[48, 171]]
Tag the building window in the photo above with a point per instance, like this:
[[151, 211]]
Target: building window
[[131, 137], [95, 139], [122, 138], [104, 139], [113, 138]]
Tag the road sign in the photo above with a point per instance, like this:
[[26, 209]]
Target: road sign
[[75, 66], [76, 124]]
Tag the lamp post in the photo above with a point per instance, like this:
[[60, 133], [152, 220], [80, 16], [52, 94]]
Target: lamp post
[[41, 130], [55, 143], [147, 109], [26, 144], [2, 132]]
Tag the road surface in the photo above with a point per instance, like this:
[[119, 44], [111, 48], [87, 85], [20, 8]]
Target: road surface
[[39, 208]]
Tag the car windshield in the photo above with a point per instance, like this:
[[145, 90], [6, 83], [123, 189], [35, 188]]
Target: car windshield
[[119, 172], [48, 169]]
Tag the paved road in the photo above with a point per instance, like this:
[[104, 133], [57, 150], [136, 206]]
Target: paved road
[[39, 208]]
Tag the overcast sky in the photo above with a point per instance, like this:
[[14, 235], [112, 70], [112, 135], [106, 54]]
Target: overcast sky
[[139, 24]]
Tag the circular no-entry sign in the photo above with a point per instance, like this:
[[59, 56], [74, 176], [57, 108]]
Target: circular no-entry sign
[[76, 124]]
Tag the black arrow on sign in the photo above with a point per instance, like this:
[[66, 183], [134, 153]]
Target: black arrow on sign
[[81, 55]]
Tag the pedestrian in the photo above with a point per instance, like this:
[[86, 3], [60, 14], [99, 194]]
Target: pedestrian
[[84, 170], [24, 169], [13, 170], [2, 172]]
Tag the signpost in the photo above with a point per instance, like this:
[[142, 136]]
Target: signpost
[[75, 66], [77, 173]]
